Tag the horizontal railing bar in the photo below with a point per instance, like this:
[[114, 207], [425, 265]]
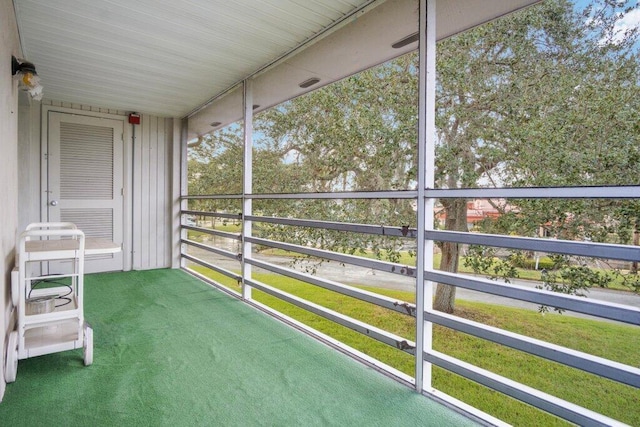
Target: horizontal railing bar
[[606, 310], [387, 267], [211, 196], [603, 192], [215, 268], [380, 230], [207, 248], [591, 192], [393, 194], [213, 214], [346, 321], [225, 234], [576, 359], [587, 249], [373, 298], [526, 394]]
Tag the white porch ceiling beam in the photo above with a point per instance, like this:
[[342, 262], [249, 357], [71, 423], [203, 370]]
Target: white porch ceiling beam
[[356, 46]]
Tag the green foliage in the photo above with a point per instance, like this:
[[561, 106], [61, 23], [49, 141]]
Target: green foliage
[[573, 279], [630, 281], [356, 134], [559, 273], [540, 99], [483, 260], [544, 97]]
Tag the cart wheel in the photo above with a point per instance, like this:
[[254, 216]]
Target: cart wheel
[[11, 368], [88, 345]]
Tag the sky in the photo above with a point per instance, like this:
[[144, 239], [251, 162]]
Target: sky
[[631, 20]]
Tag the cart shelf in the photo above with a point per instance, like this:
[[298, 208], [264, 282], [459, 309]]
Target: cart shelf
[[52, 338], [58, 323]]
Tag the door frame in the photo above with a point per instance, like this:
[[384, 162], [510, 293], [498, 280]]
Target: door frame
[[127, 238]]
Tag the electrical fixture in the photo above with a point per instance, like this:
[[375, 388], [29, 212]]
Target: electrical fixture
[[309, 82], [27, 76], [406, 40], [216, 124]]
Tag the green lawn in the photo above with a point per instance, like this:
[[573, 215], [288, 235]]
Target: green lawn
[[616, 342]]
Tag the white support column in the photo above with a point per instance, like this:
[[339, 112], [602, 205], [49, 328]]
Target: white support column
[[180, 188], [247, 168], [426, 179]]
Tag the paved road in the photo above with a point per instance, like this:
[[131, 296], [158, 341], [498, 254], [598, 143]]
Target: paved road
[[368, 277]]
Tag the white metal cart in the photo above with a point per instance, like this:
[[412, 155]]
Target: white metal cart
[[49, 306]]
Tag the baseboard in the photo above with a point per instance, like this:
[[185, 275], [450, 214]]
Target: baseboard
[[3, 386], [10, 322], [8, 314]]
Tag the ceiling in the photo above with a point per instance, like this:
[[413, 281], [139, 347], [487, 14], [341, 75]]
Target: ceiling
[[162, 57], [170, 57]]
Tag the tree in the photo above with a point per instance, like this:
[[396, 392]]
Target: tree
[[537, 99], [216, 168], [545, 97], [355, 135]]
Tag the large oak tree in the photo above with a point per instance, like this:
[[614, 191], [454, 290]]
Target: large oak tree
[[548, 96]]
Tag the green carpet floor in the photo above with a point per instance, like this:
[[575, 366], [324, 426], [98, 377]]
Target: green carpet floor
[[171, 351]]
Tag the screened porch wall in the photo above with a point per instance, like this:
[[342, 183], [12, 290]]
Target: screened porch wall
[[147, 179], [239, 268]]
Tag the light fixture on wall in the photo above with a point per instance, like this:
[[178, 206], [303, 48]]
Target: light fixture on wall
[[27, 77]]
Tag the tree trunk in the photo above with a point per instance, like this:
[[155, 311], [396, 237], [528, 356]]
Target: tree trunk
[[456, 220]]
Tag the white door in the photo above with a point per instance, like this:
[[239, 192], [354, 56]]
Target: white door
[[85, 180]]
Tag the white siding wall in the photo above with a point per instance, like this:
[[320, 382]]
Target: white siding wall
[[9, 45], [29, 158], [152, 190], [148, 182]]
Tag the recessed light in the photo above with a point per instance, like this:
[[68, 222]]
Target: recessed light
[[309, 82], [405, 41], [215, 124]]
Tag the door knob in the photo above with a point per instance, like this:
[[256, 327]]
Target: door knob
[[54, 203]]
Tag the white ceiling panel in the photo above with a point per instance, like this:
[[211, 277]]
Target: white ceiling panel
[[363, 43], [168, 57], [162, 57]]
